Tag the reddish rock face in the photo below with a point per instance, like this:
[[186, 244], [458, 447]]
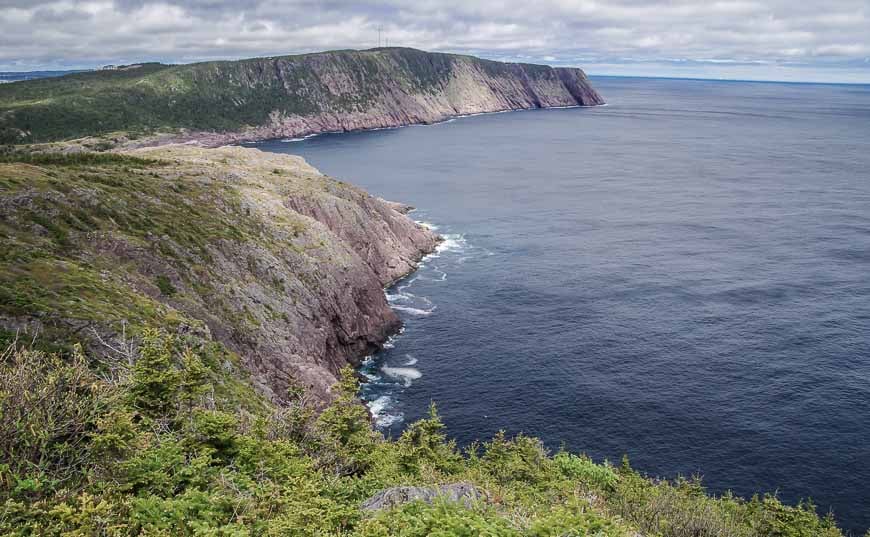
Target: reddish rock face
[[392, 88], [261, 252], [331, 247]]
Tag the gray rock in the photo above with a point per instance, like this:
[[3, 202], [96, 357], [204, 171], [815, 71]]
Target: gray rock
[[456, 492]]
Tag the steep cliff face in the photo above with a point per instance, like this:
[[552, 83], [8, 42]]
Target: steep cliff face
[[222, 102], [259, 251], [394, 87]]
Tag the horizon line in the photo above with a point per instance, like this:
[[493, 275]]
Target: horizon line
[[71, 70], [710, 79]]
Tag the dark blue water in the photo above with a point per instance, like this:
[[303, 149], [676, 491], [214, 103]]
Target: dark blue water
[[682, 276], [9, 76]]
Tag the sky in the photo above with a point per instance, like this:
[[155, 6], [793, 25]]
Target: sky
[[792, 40]]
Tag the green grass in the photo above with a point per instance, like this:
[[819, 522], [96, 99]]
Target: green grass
[[73, 159], [50, 267]]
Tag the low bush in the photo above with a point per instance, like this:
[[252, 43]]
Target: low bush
[[159, 450]]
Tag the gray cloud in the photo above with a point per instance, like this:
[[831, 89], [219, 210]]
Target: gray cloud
[[826, 39]]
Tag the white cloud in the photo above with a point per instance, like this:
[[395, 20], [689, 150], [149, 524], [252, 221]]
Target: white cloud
[[815, 34]]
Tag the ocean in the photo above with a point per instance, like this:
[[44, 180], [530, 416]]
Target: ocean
[[681, 276]]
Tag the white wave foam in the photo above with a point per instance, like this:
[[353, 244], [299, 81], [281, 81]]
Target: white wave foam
[[411, 360], [370, 376], [290, 140], [428, 225], [414, 311], [388, 344], [380, 411], [388, 420], [406, 284], [400, 297], [441, 275], [406, 374], [473, 114], [451, 242], [379, 405]]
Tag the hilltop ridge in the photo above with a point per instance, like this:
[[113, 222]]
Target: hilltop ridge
[[222, 102]]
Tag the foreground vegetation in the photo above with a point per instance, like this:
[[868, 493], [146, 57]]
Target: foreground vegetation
[[148, 446]]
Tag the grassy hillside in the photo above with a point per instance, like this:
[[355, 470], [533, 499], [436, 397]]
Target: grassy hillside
[[158, 430], [224, 95], [231, 241]]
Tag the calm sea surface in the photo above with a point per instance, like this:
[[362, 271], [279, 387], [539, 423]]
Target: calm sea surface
[[682, 276]]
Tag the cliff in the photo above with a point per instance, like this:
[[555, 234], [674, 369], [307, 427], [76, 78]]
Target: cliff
[[193, 275], [216, 103], [283, 265]]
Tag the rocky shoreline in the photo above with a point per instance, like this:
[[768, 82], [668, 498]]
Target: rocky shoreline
[[342, 315], [302, 294], [220, 139], [260, 252]]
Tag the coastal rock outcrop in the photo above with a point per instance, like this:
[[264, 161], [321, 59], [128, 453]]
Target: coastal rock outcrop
[[465, 493], [315, 290], [259, 251]]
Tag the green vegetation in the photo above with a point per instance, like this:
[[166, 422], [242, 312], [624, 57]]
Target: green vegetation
[[154, 449], [165, 285], [78, 228], [159, 430], [217, 96]]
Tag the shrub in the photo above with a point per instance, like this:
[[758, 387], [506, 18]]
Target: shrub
[[165, 285], [155, 383], [442, 519], [521, 459], [582, 469], [347, 425], [161, 452], [770, 517], [677, 509], [49, 409], [576, 520], [425, 443]]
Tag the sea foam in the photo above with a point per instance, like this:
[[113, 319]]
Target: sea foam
[[414, 311], [405, 374], [380, 411]]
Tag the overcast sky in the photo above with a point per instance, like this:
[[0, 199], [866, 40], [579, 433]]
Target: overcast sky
[[812, 40]]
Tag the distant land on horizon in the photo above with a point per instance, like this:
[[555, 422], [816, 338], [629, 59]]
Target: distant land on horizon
[[221, 102], [18, 76]]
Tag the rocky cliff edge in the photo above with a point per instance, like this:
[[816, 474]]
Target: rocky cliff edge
[[259, 251]]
